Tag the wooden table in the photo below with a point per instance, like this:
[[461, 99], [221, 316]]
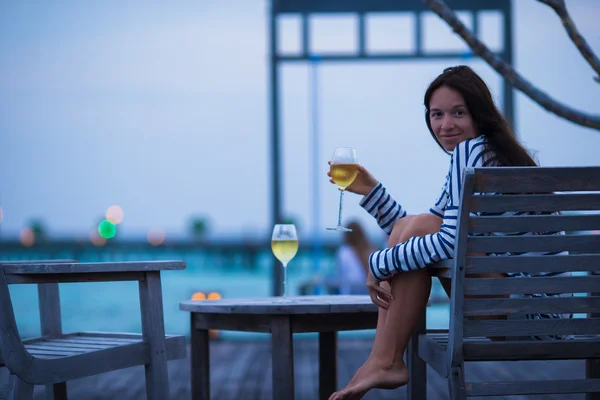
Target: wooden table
[[323, 314]]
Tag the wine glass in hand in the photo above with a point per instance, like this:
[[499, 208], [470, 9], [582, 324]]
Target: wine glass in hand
[[343, 170]]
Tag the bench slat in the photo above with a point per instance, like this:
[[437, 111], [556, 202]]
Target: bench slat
[[68, 345], [581, 305], [536, 202], [572, 284], [549, 243], [532, 327], [532, 387], [533, 350], [534, 223], [536, 179], [560, 263], [480, 349]]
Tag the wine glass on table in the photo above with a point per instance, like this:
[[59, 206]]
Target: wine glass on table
[[284, 243], [343, 170]]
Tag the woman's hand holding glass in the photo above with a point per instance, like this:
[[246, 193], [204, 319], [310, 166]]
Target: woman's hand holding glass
[[363, 184]]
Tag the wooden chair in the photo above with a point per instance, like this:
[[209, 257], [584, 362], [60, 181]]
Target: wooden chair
[[524, 189], [55, 357]]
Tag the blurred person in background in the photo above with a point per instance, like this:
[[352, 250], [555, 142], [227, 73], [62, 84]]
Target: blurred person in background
[[352, 260]]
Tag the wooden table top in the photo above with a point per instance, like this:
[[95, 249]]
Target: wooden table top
[[276, 305]]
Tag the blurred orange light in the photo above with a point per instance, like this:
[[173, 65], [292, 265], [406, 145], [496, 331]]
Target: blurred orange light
[[114, 214], [156, 236], [27, 237], [214, 296], [198, 296], [96, 239]]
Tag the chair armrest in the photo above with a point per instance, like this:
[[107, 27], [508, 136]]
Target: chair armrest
[[84, 272]]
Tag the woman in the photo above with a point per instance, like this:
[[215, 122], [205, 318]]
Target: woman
[[464, 121]]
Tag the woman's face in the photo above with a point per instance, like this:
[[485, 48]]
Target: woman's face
[[450, 119]]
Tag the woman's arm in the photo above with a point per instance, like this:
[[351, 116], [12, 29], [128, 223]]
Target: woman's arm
[[418, 252], [381, 206]]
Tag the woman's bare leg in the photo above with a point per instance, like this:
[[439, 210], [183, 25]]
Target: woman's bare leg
[[385, 367]]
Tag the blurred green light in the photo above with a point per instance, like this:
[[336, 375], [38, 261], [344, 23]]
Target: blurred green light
[[107, 229]]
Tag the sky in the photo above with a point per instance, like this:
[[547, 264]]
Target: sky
[[162, 108]]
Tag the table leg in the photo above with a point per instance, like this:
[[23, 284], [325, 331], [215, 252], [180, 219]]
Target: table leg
[[199, 356], [327, 364], [282, 358]]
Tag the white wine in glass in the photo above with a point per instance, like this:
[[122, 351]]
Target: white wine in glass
[[284, 244], [343, 170]]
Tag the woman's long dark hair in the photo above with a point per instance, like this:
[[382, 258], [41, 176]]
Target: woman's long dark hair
[[500, 137]]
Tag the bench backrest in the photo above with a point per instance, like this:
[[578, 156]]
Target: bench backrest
[[482, 229]]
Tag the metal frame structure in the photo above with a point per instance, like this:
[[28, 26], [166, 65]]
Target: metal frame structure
[[361, 8]]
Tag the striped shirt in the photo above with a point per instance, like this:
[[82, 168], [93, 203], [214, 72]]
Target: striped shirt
[[418, 252]]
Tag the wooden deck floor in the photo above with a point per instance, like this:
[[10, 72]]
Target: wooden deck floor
[[242, 370]]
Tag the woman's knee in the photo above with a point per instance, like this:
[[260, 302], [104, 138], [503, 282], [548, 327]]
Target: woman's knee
[[414, 225]]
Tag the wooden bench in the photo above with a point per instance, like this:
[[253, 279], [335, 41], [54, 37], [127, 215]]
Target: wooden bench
[[55, 358], [523, 189]]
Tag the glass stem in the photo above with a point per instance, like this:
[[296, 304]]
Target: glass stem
[[340, 212], [284, 279]]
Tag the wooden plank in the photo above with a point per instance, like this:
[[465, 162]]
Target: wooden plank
[[501, 244], [41, 349], [67, 345], [49, 305], [564, 305], [458, 273], [327, 364], [93, 341], [592, 371], [482, 349], [101, 267], [532, 350], [50, 371], [536, 179], [417, 368], [75, 277], [504, 264], [10, 341], [153, 329], [273, 305], [120, 336], [200, 362], [282, 358], [542, 327], [233, 322], [333, 322], [534, 223], [434, 353], [58, 390], [533, 387], [491, 286], [536, 202]]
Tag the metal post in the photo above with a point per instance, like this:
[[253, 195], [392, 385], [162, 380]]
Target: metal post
[[508, 92], [274, 128], [316, 198]]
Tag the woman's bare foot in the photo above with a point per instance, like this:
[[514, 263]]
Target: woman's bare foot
[[373, 377], [358, 375]]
